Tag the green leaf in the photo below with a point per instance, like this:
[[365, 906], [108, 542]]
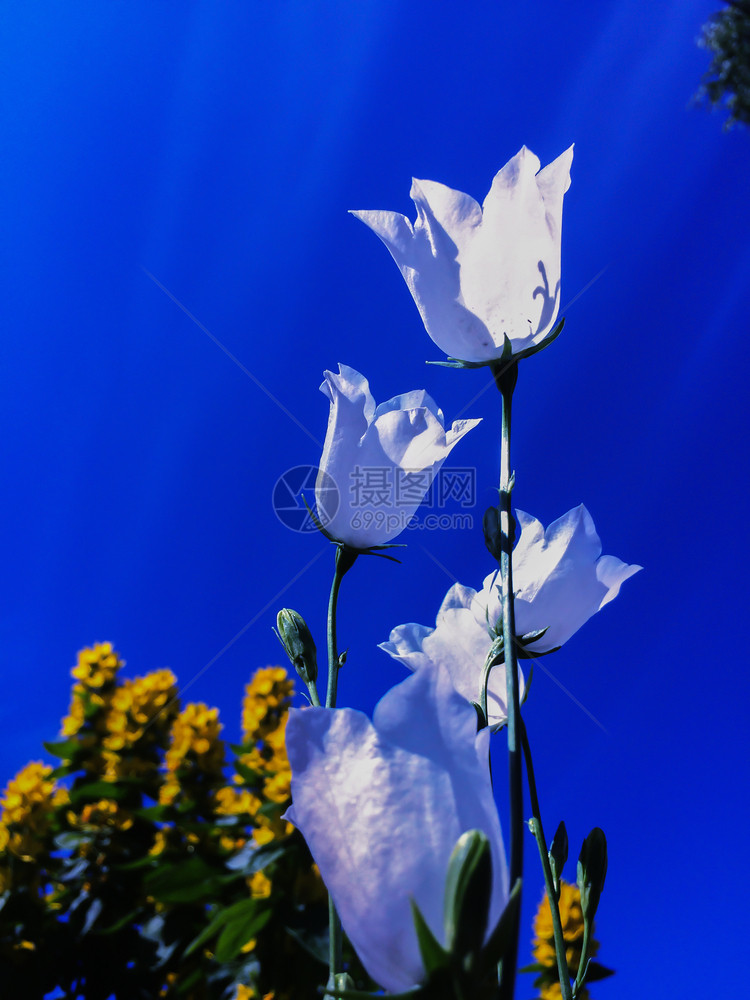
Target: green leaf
[[129, 918], [147, 861], [185, 882], [434, 956], [154, 814], [186, 984], [248, 774], [93, 791], [219, 917], [65, 749], [497, 943], [596, 971], [245, 922]]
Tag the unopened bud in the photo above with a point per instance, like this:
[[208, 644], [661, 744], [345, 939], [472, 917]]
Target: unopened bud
[[492, 535], [298, 644], [467, 894], [558, 855], [592, 871]]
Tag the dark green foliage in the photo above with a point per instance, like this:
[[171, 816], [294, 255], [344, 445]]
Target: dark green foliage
[[726, 35]]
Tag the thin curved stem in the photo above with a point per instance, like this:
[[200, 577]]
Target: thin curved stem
[[538, 830], [505, 379], [345, 559]]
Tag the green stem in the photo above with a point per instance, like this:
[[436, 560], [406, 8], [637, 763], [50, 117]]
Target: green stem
[[312, 690], [345, 559], [505, 379], [538, 831], [494, 658]]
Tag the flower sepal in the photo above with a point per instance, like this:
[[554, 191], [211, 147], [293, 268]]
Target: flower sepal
[[370, 550], [522, 641], [507, 353], [536, 348]]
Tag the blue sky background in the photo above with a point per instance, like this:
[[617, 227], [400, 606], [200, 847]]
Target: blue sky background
[[219, 146]]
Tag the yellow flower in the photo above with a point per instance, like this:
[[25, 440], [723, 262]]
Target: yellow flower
[[27, 806], [139, 715], [160, 843], [97, 665], [248, 993], [231, 801], [194, 741], [259, 886], [104, 813], [267, 699], [96, 674], [271, 830], [571, 917], [277, 788]]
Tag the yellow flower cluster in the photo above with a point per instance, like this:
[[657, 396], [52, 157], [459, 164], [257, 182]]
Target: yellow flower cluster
[[194, 741], [95, 673], [137, 704], [259, 885], [571, 917], [266, 702], [119, 715], [97, 666], [27, 806], [141, 709], [104, 813], [265, 710]]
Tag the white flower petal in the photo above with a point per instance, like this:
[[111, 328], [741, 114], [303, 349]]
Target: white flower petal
[[559, 579], [410, 401], [458, 596], [479, 275], [381, 806], [440, 206], [405, 644], [613, 572], [394, 229], [368, 452]]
